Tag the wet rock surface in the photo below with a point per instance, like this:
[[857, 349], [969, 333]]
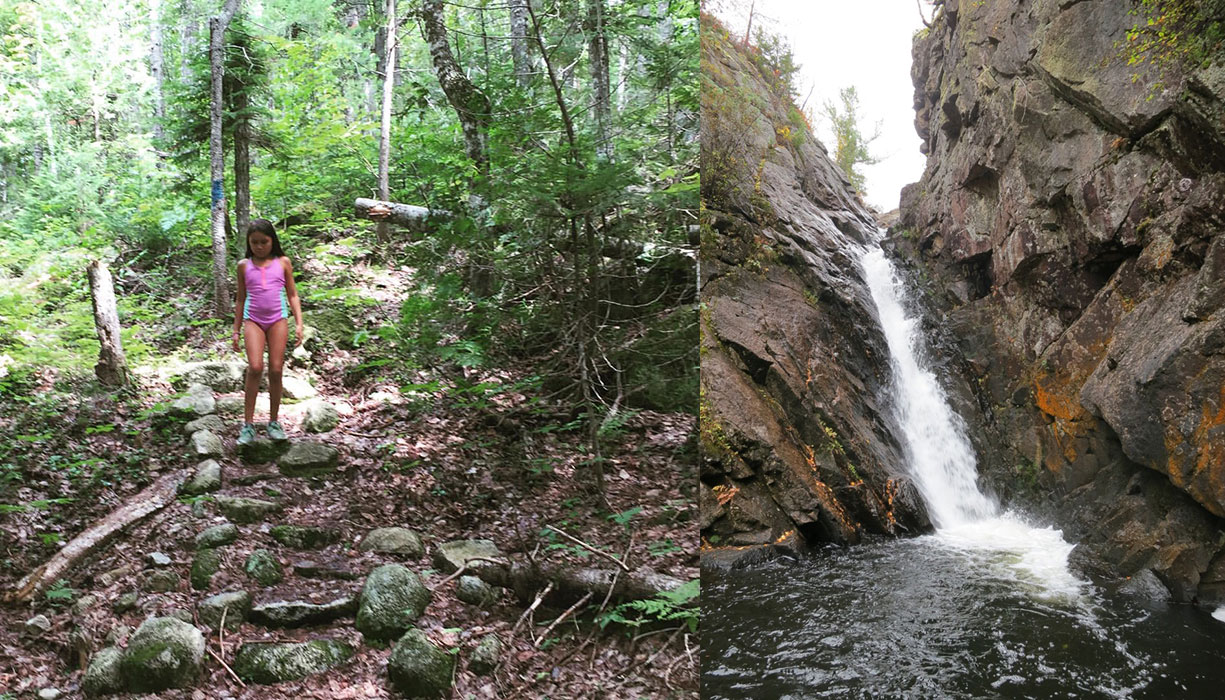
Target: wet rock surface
[[795, 445], [1068, 233]]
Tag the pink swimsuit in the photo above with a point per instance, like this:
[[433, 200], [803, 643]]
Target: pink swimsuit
[[266, 300]]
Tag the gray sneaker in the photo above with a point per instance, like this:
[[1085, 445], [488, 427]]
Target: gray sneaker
[[275, 431], [247, 434]]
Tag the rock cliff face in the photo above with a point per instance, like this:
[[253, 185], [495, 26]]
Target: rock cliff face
[[796, 447], [1071, 228]]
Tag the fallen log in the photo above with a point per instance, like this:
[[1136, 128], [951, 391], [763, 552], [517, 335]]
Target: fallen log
[[571, 584], [409, 216], [155, 497]]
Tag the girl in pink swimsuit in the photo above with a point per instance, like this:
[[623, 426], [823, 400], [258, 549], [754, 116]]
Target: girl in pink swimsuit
[[266, 294]]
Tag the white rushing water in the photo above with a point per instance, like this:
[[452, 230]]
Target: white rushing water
[[943, 463]]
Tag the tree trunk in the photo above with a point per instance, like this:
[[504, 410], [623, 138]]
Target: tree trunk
[[157, 66], [389, 72], [409, 216], [112, 367], [187, 39], [242, 167], [518, 43], [471, 105], [597, 56], [571, 583], [222, 303]]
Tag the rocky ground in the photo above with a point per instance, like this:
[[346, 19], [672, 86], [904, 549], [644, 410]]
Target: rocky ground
[[460, 455]]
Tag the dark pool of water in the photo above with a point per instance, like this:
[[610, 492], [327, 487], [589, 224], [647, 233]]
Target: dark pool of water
[[914, 619]]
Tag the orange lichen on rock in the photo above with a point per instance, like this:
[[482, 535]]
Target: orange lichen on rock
[[725, 493], [1060, 400]]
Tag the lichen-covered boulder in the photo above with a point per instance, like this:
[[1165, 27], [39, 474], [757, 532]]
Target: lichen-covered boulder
[[449, 556], [296, 613], [391, 601], [418, 669], [263, 566], [474, 591], [304, 536], [206, 478], [278, 662], [309, 459], [486, 656], [222, 377], [217, 536], [245, 510], [232, 605], [212, 423], [197, 402], [161, 581], [321, 416], [164, 653], [207, 563], [102, 677], [206, 445], [393, 540]]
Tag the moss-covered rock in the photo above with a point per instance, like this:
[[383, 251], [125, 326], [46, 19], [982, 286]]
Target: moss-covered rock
[[449, 556], [309, 459], [206, 445], [232, 605], [486, 656], [393, 540], [161, 581], [391, 601], [277, 663], [207, 563], [304, 537], [197, 402], [103, 677], [418, 669], [212, 423], [474, 591], [245, 510], [206, 478], [164, 653], [296, 613], [263, 566], [321, 416], [217, 536], [262, 450]]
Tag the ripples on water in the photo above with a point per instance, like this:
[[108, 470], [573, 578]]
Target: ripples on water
[[925, 619]]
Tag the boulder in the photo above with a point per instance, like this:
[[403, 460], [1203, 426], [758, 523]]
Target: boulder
[[235, 605], [197, 402], [125, 602], [418, 669], [450, 556], [217, 536], [212, 423], [161, 581], [322, 570], [304, 537], [268, 663], [393, 540], [231, 405], [246, 510], [222, 377], [206, 478], [309, 459], [296, 613], [321, 416], [206, 445], [159, 559], [487, 655], [298, 388], [164, 653], [474, 591], [262, 450], [37, 626], [391, 600], [207, 563], [102, 677], [263, 566]]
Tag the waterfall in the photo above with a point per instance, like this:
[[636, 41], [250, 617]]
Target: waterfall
[[942, 460]]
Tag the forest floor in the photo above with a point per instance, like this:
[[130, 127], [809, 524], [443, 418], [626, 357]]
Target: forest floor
[[458, 452]]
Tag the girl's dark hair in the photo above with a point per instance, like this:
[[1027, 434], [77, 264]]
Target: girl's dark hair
[[264, 226]]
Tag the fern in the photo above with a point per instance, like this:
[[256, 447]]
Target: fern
[[667, 606]]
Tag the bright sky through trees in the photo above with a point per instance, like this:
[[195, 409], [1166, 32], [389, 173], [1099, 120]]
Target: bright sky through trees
[[865, 44]]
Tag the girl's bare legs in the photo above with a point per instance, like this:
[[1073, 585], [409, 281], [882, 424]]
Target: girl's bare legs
[[253, 338], [278, 336]]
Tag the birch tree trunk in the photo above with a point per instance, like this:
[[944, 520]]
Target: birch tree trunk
[[187, 38], [222, 303], [112, 367], [389, 72], [157, 66], [518, 43], [470, 104]]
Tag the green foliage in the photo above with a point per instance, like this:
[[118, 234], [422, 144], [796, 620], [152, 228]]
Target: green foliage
[[679, 604], [850, 143], [60, 593], [1167, 33]]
